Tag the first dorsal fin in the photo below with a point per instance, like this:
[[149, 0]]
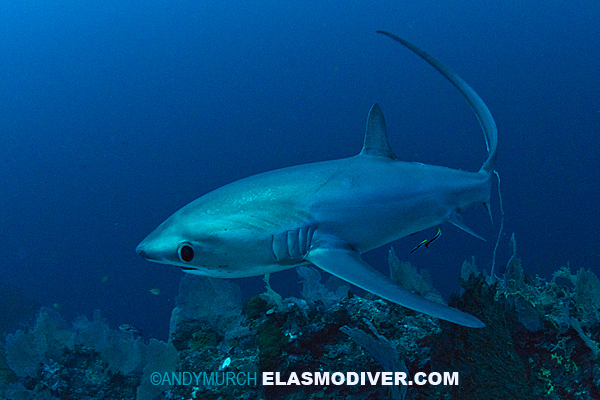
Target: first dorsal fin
[[376, 140]]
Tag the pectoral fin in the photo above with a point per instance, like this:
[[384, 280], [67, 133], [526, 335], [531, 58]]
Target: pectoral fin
[[347, 265]]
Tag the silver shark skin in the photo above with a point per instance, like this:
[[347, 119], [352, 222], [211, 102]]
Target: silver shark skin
[[328, 213]]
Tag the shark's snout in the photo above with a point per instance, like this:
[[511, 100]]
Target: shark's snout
[[144, 253]]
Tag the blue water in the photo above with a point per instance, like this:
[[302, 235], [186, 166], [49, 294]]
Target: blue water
[[114, 114]]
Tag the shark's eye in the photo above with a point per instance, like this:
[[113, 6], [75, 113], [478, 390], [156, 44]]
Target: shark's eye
[[186, 252]]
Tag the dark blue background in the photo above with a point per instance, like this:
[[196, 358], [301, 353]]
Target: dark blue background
[[114, 114]]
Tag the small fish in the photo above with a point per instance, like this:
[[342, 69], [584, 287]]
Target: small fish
[[129, 329], [427, 242], [155, 291], [105, 279]]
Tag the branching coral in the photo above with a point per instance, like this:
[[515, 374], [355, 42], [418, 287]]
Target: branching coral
[[273, 299], [585, 293], [382, 349], [407, 276], [216, 302], [27, 350], [313, 291]]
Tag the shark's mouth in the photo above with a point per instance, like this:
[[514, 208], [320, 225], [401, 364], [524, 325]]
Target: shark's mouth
[[147, 256]]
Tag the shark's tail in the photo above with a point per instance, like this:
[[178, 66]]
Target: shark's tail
[[481, 110]]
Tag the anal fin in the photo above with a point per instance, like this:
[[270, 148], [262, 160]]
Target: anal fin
[[455, 219]]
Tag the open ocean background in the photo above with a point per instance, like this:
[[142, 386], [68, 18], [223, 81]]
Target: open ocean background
[[114, 114]]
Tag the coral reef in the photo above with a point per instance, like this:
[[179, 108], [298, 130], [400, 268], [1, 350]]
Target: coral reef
[[541, 340], [88, 361]]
